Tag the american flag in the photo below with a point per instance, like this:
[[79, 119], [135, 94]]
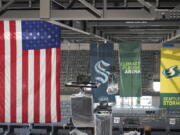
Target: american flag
[[29, 72]]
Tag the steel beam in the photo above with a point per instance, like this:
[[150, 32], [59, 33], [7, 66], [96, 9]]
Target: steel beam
[[139, 35], [142, 37], [91, 7], [177, 7], [77, 37], [150, 8], [146, 4], [131, 3], [89, 35], [59, 4], [136, 29], [133, 23], [45, 9], [69, 27], [140, 32], [167, 14], [4, 7], [173, 37], [133, 14], [71, 4]]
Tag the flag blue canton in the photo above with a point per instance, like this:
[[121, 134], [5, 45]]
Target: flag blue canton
[[40, 35]]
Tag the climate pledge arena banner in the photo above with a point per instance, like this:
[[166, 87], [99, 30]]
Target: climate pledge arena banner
[[170, 78], [101, 60], [130, 69]]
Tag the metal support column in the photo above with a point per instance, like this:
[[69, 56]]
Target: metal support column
[[125, 3], [0, 3], [45, 9], [94, 3], [104, 8], [30, 3], [157, 3]]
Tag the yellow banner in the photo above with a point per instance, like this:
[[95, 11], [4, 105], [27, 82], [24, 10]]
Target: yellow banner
[[170, 78], [170, 70]]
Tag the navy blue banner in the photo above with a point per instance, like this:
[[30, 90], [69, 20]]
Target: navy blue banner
[[101, 60]]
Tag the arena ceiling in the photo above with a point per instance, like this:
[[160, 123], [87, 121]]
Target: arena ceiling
[[150, 21]]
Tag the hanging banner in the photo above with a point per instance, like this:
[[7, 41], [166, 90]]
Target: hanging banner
[[130, 69], [170, 78], [101, 60]]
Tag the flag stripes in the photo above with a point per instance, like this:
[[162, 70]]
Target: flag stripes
[[36, 85], [48, 86], [29, 79], [57, 83], [19, 71], [2, 73], [31, 86], [7, 71], [13, 69]]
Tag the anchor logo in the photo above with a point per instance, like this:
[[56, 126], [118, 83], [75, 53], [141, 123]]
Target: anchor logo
[[100, 68]]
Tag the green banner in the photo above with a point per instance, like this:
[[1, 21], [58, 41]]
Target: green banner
[[130, 69]]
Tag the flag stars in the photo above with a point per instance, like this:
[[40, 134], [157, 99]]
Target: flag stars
[[30, 34], [49, 36], [38, 34]]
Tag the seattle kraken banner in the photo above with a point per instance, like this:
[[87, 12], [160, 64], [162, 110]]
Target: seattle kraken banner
[[170, 78], [101, 60], [130, 69]]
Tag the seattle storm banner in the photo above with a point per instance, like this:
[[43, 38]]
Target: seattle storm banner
[[101, 61], [130, 69], [170, 78]]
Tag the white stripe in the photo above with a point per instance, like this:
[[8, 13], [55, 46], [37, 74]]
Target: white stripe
[[31, 86], [53, 86], [7, 71], [19, 72], [42, 84]]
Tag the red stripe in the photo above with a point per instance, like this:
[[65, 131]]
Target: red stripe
[[58, 62], [36, 85], [25, 86], [13, 70], [48, 86], [2, 73]]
